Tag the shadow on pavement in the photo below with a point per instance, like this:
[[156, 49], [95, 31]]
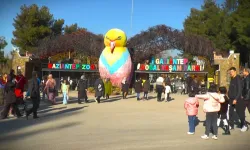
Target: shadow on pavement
[[12, 125], [38, 131]]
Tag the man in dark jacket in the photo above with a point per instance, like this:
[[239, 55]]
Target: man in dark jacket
[[82, 89], [33, 89], [10, 98], [246, 88], [99, 89], [195, 85], [235, 100]]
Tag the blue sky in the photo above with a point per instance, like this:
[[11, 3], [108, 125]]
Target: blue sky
[[98, 16]]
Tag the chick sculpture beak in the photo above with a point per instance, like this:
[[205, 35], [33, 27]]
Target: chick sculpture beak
[[112, 46]]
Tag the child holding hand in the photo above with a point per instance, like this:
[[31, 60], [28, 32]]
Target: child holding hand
[[191, 105]]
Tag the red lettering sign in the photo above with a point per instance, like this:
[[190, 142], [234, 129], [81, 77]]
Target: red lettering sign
[[197, 68], [142, 67], [92, 67], [50, 66]]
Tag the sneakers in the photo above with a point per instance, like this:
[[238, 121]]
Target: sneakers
[[205, 137], [214, 137], [190, 133], [244, 129]]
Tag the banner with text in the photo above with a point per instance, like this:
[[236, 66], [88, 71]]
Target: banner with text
[[170, 65], [73, 66]]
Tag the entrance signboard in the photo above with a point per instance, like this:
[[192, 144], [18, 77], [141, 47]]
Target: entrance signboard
[[73, 66], [170, 65]]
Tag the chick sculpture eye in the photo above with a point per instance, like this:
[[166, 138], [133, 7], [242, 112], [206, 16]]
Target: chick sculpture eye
[[107, 38], [119, 38]]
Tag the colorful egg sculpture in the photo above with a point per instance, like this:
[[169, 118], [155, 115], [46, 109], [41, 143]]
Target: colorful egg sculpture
[[115, 61]]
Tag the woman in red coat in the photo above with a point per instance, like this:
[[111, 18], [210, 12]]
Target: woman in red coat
[[20, 83]]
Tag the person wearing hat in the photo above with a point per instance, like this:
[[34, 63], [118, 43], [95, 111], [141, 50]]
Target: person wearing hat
[[82, 88]]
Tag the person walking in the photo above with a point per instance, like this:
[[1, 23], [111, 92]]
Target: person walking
[[159, 87], [246, 89], [65, 91], [12, 76], [3, 81], [211, 107], [138, 88], [146, 88], [44, 93], [82, 88], [125, 88], [191, 105], [108, 88], [10, 98], [235, 100], [33, 88], [20, 83], [195, 85], [50, 88], [167, 92], [99, 89], [183, 88], [222, 114]]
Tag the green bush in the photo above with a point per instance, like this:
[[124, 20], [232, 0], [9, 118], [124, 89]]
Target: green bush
[[91, 90], [116, 90]]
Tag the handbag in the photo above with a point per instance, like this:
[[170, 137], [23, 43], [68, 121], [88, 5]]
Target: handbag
[[52, 90]]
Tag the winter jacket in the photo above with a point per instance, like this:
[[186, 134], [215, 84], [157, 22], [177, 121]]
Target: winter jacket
[[224, 106], [99, 88], [146, 86], [246, 88], [125, 87], [191, 105], [9, 93], [82, 87], [138, 86], [235, 89], [108, 87], [212, 101]]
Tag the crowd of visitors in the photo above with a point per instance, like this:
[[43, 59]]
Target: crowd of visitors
[[219, 103]]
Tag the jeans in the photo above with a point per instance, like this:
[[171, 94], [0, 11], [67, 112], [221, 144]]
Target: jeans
[[211, 123], [191, 123], [44, 94], [146, 95], [65, 98], [138, 95], [159, 96]]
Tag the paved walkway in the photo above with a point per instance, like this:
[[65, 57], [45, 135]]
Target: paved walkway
[[114, 124]]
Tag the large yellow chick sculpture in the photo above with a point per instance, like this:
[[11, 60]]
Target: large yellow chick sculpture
[[115, 61]]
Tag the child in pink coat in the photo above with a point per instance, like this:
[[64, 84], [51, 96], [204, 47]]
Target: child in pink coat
[[191, 105], [211, 107]]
